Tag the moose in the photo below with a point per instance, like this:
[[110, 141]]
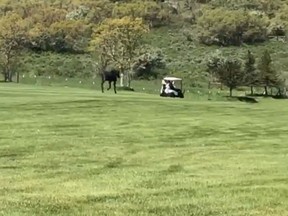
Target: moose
[[110, 76]]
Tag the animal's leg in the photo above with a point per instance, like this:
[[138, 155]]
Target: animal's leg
[[109, 86], [114, 84], [102, 83]]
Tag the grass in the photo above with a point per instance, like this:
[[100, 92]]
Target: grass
[[73, 151], [143, 86]]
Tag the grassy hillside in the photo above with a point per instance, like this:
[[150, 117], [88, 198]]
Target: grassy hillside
[[184, 58], [190, 56], [52, 35], [69, 151]]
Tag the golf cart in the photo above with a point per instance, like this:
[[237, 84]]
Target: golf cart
[[173, 91]]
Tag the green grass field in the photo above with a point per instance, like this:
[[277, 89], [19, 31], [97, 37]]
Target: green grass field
[[73, 151]]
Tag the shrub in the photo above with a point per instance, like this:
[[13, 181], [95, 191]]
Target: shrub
[[150, 11], [279, 24], [231, 27], [149, 64]]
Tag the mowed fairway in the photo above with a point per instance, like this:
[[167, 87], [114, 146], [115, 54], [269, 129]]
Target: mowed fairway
[[68, 151]]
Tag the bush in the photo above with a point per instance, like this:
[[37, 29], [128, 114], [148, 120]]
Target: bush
[[150, 11], [279, 24], [231, 27], [149, 64]]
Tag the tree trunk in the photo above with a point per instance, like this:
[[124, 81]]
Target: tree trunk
[[121, 79], [10, 76], [18, 77], [230, 90], [126, 79], [5, 77], [279, 92], [265, 90], [252, 90], [129, 80]]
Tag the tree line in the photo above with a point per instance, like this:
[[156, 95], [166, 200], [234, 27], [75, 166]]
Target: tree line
[[112, 33], [234, 72]]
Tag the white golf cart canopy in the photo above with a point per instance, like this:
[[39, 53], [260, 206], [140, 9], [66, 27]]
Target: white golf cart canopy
[[172, 78]]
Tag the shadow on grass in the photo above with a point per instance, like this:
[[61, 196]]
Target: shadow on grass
[[124, 88], [242, 99], [280, 96]]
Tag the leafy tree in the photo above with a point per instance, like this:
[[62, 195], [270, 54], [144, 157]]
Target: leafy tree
[[47, 15], [40, 35], [151, 12], [230, 27], [12, 38], [213, 64], [149, 64], [118, 39], [270, 7], [74, 34], [228, 71], [269, 76], [267, 6], [52, 30], [252, 77], [190, 4], [279, 24], [93, 11], [100, 59]]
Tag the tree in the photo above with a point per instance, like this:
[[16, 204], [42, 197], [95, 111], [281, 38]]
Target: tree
[[48, 28], [279, 24], [270, 7], [269, 76], [150, 63], [213, 64], [151, 12], [13, 31], [230, 27], [230, 74], [117, 40], [73, 33], [228, 71], [251, 74], [93, 11]]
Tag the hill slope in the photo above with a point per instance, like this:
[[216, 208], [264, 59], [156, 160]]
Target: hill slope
[[57, 33], [184, 58]]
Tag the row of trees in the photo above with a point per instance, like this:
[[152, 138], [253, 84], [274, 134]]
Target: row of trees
[[234, 72], [113, 30], [66, 25], [239, 21], [231, 27]]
